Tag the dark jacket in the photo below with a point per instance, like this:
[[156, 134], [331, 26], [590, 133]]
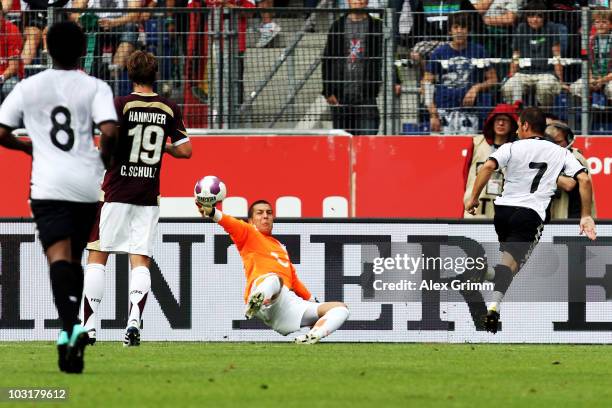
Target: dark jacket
[[334, 60]]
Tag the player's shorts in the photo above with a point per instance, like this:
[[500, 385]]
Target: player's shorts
[[519, 229], [128, 228], [284, 315], [57, 220]]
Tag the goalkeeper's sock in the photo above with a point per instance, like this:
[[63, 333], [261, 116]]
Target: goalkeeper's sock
[[92, 295], [66, 302], [140, 285], [269, 286], [329, 322]]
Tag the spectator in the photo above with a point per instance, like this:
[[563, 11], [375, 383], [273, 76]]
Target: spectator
[[533, 45], [35, 26], [119, 30], [566, 204], [199, 91], [600, 57], [268, 29], [499, 128], [454, 68], [11, 68], [352, 70], [498, 18], [430, 27]]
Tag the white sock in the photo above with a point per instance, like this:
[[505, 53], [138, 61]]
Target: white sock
[[490, 274], [330, 322], [270, 286], [496, 301], [140, 285], [93, 290]]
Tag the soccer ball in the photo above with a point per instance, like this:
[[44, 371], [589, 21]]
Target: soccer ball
[[209, 190]]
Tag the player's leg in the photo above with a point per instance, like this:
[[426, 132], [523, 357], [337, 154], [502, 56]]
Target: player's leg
[[519, 230], [142, 225], [140, 286], [84, 216], [93, 286], [93, 291], [55, 224], [325, 318], [264, 290]]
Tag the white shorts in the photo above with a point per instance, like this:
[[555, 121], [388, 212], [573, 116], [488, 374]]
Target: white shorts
[[128, 228], [284, 315]]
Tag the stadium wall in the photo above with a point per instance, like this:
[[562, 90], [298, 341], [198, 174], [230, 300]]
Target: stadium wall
[[378, 176], [197, 284]]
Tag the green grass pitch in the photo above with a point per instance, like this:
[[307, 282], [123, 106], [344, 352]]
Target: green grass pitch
[[324, 375]]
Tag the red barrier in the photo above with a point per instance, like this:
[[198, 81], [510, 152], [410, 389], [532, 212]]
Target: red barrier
[[598, 151], [393, 176], [399, 176], [308, 167]]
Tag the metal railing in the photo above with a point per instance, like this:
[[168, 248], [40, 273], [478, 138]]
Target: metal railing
[[234, 68]]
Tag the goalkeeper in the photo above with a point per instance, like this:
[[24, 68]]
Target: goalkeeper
[[273, 291]]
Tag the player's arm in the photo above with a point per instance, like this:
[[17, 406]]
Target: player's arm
[[108, 142], [566, 183], [182, 151], [482, 178], [238, 230], [104, 114], [587, 225], [180, 145], [298, 287], [8, 140], [11, 113]]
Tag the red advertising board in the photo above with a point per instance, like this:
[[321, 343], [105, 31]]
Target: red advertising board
[[387, 176], [409, 177], [308, 167]]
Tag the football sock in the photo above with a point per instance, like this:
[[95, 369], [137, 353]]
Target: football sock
[[490, 274], [270, 286], [65, 300], [330, 322], [93, 291], [503, 279], [140, 285]]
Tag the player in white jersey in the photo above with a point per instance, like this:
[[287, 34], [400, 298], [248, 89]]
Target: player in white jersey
[[58, 107], [533, 166]]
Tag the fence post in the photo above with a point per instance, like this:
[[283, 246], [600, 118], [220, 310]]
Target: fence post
[[586, 93], [228, 50], [388, 36], [214, 68]]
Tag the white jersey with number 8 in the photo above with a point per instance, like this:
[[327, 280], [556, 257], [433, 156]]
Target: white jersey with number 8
[[532, 168], [58, 108]]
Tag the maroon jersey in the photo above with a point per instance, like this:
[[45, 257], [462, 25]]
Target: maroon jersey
[[145, 123]]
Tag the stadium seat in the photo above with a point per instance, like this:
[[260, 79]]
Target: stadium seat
[[335, 206], [288, 207], [178, 207], [236, 206]]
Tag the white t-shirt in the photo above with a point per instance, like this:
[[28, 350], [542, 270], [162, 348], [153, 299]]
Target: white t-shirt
[[532, 168], [58, 108], [499, 7], [119, 4]]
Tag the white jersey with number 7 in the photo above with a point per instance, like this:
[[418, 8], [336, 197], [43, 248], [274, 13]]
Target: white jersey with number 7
[[532, 168]]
